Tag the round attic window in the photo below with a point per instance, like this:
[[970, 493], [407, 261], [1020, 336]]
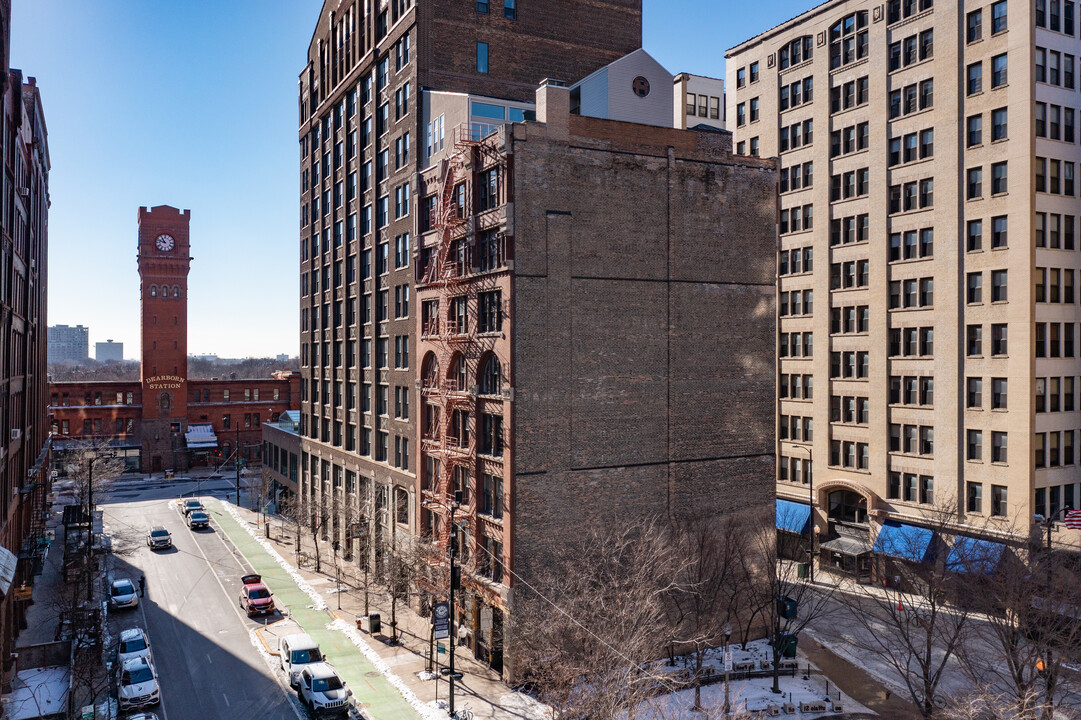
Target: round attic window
[[640, 86]]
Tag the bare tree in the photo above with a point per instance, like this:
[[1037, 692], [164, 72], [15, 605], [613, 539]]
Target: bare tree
[[779, 591], [706, 596], [912, 622], [593, 622]]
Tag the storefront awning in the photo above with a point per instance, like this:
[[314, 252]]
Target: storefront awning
[[907, 542], [851, 546], [973, 556], [793, 517], [200, 436]]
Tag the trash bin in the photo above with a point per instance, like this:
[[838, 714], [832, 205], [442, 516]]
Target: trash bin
[[266, 530], [787, 608], [374, 624], [803, 570], [788, 645]]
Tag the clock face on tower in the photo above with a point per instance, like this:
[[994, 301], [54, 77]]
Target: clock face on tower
[[165, 242]]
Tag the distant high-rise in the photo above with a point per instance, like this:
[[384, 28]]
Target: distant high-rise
[[109, 351], [69, 344]]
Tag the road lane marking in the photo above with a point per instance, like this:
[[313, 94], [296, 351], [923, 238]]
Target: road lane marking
[[226, 698], [208, 659]]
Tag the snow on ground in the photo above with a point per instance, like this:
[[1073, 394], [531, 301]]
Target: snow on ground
[[38, 692], [752, 694]]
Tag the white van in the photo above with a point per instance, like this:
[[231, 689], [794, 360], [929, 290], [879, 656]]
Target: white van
[[296, 651]]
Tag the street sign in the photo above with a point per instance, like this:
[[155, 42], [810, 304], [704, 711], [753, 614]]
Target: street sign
[[727, 660], [440, 649], [441, 620]]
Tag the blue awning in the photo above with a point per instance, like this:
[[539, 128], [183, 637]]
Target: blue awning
[[793, 517], [971, 555], [907, 542]]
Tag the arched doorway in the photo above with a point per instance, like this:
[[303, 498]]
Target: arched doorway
[[846, 546]]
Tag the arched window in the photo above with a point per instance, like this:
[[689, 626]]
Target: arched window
[[430, 372], [848, 40], [491, 376], [795, 52], [458, 380], [153, 291], [848, 506], [176, 291]]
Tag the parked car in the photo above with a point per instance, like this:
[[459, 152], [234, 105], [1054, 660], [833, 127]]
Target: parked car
[[186, 506], [255, 597], [296, 651], [122, 594], [133, 644], [322, 691], [198, 520], [158, 538], [137, 684]]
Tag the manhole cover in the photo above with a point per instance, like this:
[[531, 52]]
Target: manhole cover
[[371, 673]]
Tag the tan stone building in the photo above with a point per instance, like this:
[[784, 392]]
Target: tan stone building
[[928, 259]]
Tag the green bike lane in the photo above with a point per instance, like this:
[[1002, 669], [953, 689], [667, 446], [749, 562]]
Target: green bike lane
[[379, 698]]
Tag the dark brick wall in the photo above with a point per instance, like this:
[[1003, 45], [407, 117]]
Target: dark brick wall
[[644, 349], [562, 39]]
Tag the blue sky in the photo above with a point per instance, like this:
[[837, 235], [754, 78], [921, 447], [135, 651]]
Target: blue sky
[[192, 103]]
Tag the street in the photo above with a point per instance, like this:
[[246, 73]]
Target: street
[[203, 649]]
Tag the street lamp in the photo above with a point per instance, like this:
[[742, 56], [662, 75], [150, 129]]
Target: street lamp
[[812, 528], [727, 669], [455, 581]]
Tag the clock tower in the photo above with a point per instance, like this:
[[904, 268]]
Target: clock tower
[[164, 260]]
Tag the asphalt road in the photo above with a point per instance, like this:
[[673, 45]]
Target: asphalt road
[[203, 648]]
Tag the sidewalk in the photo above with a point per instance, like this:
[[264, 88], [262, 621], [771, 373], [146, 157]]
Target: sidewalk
[[481, 689]]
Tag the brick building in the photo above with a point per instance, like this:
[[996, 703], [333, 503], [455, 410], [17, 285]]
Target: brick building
[[387, 103], [24, 431], [168, 421], [593, 350]]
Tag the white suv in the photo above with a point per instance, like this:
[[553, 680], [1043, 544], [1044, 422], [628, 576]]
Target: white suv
[[322, 691], [133, 644], [137, 684]]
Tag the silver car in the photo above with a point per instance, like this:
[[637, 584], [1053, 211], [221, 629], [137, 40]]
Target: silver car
[[158, 538], [122, 594]]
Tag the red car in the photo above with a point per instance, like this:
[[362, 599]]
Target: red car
[[255, 597]]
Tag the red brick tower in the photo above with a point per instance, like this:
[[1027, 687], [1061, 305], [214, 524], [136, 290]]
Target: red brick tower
[[164, 260]]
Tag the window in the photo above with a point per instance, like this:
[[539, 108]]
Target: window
[[998, 447], [998, 339], [998, 285], [998, 178], [974, 393], [974, 338], [974, 78], [975, 183], [998, 393], [489, 311], [974, 26], [998, 124], [998, 501], [754, 72], [975, 288], [510, 9], [482, 6], [974, 498], [848, 40], [482, 53], [998, 70], [998, 17], [974, 235], [491, 501], [488, 189], [975, 445], [741, 80], [998, 232]]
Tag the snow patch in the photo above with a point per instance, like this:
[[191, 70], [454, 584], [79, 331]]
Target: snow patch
[[426, 710]]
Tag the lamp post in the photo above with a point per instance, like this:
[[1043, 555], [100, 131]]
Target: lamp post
[[452, 635], [727, 669], [236, 453], [1044, 664], [811, 526]]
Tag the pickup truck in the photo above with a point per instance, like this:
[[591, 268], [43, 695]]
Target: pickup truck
[[185, 506], [255, 597]]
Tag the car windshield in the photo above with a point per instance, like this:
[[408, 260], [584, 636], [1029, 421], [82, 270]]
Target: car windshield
[[159, 533], [198, 516], [325, 684], [123, 588], [133, 645], [306, 656], [137, 675], [259, 594]]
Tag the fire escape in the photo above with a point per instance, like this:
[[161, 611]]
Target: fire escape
[[449, 382]]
